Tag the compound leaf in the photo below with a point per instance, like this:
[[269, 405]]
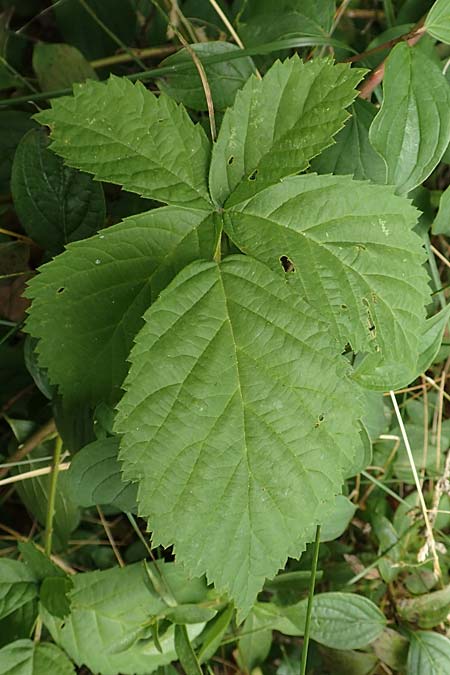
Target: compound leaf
[[88, 302], [353, 256], [55, 204], [237, 417], [25, 657], [122, 133], [278, 124], [412, 130]]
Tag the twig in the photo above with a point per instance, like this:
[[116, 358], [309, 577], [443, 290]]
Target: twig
[[29, 445], [418, 29], [423, 506], [110, 537], [148, 53], [33, 474], [377, 76]]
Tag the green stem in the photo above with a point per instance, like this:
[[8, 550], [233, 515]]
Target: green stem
[[52, 497], [310, 602]]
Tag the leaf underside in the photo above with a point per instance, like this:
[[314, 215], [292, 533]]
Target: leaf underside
[[238, 422]]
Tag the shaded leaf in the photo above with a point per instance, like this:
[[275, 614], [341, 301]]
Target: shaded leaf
[[427, 610], [95, 477], [55, 204], [58, 66], [185, 653], [17, 586], [441, 223], [224, 78], [54, 595], [352, 154]]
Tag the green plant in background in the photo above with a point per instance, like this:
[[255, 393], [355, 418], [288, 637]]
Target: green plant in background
[[214, 363]]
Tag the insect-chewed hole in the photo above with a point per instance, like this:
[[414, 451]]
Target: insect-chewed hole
[[287, 264], [230, 160], [253, 175], [61, 290], [320, 419], [344, 307]]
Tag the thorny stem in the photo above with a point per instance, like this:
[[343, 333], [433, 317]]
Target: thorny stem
[[310, 602]]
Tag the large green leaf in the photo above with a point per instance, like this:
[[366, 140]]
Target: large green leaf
[[278, 124], [412, 129], [437, 22], [17, 586], [237, 418], [355, 258], [429, 654], [122, 133], [55, 204], [352, 153], [88, 302], [108, 628], [25, 657], [224, 78]]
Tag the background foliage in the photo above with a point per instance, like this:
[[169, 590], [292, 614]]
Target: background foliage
[[84, 587]]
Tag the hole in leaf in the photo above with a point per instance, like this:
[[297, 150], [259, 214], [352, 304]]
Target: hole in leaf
[[287, 264], [344, 307], [253, 175], [231, 160], [320, 419], [61, 290]]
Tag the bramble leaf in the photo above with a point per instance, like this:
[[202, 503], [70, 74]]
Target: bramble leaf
[[412, 130], [354, 258], [278, 124], [352, 153], [237, 418], [122, 133], [55, 204], [88, 302]]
